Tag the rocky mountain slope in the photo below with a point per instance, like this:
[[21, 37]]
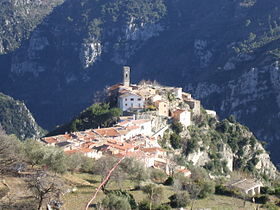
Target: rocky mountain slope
[[224, 52], [225, 146], [16, 119]]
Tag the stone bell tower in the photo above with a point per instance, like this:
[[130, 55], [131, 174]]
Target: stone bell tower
[[126, 76]]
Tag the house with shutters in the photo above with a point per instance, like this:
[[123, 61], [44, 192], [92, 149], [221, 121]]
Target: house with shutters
[[131, 101]]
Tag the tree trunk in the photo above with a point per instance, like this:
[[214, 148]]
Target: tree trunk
[[40, 203]]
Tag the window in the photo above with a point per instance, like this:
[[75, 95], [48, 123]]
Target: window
[[132, 99], [139, 99], [139, 105], [125, 99], [131, 105], [125, 104]]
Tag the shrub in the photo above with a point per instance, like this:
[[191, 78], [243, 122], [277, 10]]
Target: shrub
[[177, 127], [113, 202], [267, 190], [169, 181], [277, 191], [175, 141], [124, 194], [222, 190], [207, 188], [263, 199], [163, 207], [157, 175], [191, 146], [179, 200], [155, 193], [271, 206], [144, 205], [223, 126], [232, 119]]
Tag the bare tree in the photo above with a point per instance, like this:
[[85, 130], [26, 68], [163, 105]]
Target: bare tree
[[47, 188]]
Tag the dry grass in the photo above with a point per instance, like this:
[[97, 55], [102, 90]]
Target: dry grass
[[218, 202], [86, 186]]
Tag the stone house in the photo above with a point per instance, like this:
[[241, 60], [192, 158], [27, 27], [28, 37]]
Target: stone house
[[248, 186], [130, 100], [193, 104], [182, 116], [162, 107]]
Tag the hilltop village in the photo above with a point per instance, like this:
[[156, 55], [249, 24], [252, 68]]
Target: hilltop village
[[148, 111]]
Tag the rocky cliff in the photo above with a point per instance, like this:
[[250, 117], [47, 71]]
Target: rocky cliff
[[223, 52], [16, 119], [222, 147]]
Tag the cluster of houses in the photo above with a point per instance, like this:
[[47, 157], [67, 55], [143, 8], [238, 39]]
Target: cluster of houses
[[130, 138], [137, 137], [133, 137], [170, 102]]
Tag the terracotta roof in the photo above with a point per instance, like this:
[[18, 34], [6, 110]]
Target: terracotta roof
[[114, 87], [133, 127], [122, 146], [160, 101], [119, 155], [123, 91], [110, 132], [80, 150], [123, 123], [128, 93], [88, 144], [123, 132], [49, 140], [85, 150], [112, 141], [152, 149], [178, 112], [184, 171], [139, 122]]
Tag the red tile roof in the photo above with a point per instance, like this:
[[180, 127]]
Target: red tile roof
[[121, 146], [152, 149], [49, 140], [110, 132], [114, 87]]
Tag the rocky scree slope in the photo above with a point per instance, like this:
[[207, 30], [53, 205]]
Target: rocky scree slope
[[224, 52]]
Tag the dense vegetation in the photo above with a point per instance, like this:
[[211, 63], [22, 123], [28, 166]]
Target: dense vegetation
[[219, 135], [220, 141], [98, 115], [16, 119]]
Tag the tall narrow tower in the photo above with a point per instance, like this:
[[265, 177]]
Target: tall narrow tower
[[126, 76]]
